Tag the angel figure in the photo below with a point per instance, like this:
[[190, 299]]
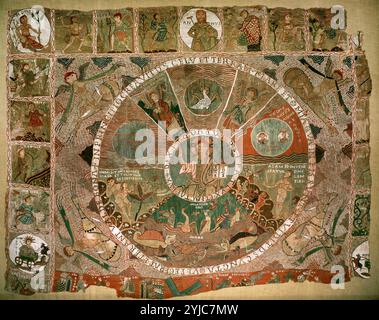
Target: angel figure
[[317, 234], [323, 97], [87, 101], [93, 240], [236, 116], [161, 111]]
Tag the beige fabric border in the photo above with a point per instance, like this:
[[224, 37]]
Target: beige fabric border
[[362, 16]]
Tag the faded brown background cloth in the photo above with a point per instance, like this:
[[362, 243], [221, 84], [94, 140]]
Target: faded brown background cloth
[[362, 15]]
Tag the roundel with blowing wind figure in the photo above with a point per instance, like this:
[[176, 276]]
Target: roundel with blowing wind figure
[[217, 165]]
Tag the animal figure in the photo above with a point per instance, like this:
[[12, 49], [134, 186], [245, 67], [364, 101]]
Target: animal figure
[[153, 239], [185, 227], [242, 240], [203, 103]]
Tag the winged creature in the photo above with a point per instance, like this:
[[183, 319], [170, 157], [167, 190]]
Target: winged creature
[[107, 251], [84, 102]]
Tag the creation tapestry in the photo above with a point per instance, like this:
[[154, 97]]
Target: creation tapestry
[[170, 151]]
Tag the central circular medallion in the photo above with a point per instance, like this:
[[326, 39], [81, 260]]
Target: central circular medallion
[[172, 180]]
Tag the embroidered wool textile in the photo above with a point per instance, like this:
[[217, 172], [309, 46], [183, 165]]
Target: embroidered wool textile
[[169, 151]]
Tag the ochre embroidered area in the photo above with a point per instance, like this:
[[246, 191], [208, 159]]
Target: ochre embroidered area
[[170, 151]]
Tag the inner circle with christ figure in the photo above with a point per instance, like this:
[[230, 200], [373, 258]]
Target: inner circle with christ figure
[[200, 166]]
